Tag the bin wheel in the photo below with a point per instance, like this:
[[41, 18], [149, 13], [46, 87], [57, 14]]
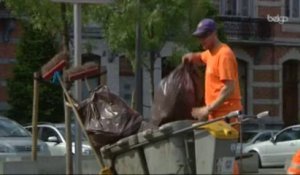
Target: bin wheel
[[258, 157]]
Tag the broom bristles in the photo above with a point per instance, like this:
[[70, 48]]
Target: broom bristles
[[57, 63], [89, 69]]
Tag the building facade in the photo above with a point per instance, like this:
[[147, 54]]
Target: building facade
[[10, 32], [265, 35]]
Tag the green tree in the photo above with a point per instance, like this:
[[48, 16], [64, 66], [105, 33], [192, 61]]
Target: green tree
[[33, 50], [42, 14], [52, 17], [48, 19], [161, 21]]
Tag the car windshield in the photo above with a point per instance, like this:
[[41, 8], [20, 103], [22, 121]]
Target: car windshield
[[9, 128], [63, 132]]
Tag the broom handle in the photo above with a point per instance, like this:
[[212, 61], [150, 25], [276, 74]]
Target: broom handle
[[69, 99], [87, 84], [35, 112]]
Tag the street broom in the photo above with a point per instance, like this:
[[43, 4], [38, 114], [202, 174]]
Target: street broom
[[50, 70], [57, 63], [89, 69]]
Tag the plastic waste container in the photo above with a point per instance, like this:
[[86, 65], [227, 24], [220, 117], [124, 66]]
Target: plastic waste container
[[213, 154], [167, 153], [125, 157]]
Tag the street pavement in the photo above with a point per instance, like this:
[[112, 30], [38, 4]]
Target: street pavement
[[270, 171]]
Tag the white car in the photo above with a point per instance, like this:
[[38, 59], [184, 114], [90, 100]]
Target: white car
[[17, 141], [278, 149], [54, 136], [253, 137]]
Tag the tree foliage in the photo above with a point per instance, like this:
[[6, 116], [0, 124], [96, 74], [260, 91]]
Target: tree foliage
[[42, 14], [161, 21], [51, 17], [33, 50]]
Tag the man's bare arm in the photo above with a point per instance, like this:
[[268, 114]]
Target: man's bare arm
[[226, 91]]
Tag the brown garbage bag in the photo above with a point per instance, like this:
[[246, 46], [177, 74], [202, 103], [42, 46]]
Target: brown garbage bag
[[177, 94], [107, 118]]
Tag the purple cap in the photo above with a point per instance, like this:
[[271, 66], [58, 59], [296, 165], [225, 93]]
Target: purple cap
[[205, 26]]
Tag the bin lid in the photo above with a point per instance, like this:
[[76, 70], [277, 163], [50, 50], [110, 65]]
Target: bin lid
[[221, 130], [169, 128], [166, 129], [122, 145]]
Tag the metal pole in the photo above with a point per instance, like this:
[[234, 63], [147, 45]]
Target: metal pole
[[241, 142], [138, 61], [78, 87]]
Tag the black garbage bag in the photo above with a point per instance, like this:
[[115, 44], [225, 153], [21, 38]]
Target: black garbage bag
[[107, 118], [177, 94]]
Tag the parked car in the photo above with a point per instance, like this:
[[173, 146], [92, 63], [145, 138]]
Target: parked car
[[15, 140], [54, 135], [279, 148], [254, 136]]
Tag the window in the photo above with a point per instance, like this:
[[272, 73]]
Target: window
[[126, 88], [9, 128], [285, 136], [263, 137], [243, 68], [292, 8], [288, 135], [127, 97], [236, 7]]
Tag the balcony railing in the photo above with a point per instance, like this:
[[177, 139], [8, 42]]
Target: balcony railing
[[241, 28]]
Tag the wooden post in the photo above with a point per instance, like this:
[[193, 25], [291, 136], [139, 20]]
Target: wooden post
[[68, 131], [69, 162], [35, 111]]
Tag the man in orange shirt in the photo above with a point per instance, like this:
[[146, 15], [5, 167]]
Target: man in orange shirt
[[222, 90]]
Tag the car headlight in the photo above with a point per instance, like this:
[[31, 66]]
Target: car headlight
[[5, 148]]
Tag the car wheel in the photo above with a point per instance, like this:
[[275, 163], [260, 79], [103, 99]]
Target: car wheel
[[254, 153]]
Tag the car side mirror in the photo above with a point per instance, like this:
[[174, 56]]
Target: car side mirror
[[53, 139], [273, 139]]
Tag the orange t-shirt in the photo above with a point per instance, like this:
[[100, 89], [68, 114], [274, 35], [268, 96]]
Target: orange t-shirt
[[221, 65]]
